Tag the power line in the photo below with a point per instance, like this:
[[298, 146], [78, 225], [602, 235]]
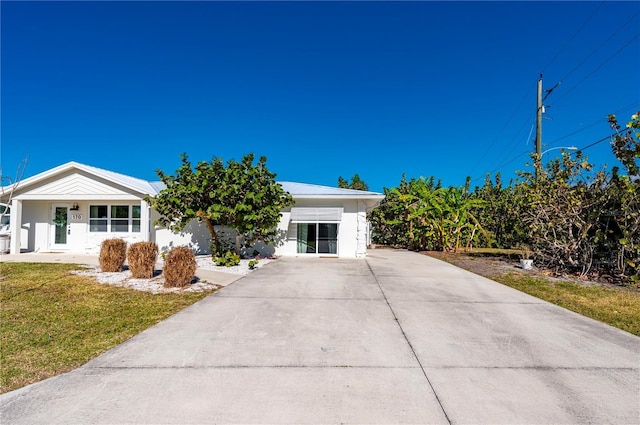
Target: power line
[[600, 46], [566, 44], [512, 160], [598, 141], [524, 98], [596, 122], [599, 66]]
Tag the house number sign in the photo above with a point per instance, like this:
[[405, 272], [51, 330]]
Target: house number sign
[[76, 216]]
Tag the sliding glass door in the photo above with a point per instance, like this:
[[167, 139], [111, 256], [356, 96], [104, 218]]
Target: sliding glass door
[[317, 238]]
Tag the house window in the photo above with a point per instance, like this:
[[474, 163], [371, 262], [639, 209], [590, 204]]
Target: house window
[[98, 218], [119, 218], [317, 238], [114, 218], [6, 218], [135, 214]]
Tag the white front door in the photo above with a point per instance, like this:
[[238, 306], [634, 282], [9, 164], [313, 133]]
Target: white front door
[[60, 227]]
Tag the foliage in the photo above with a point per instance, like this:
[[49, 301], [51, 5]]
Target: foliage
[[241, 195], [500, 214], [8, 186], [356, 183], [390, 224], [229, 259], [179, 267], [141, 257], [52, 321], [60, 218], [565, 203], [420, 215], [626, 147], [575, 219], [113, 253], [253, 264]]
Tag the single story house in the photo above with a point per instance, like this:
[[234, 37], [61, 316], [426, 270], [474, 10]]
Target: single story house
[[74, 207]]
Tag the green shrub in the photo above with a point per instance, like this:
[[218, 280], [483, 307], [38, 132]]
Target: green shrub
[[179, 267], [141, 257], [113, 253], [253, 264], [229, 259]]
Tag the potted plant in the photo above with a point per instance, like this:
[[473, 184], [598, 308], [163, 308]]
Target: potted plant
[[526, 262]]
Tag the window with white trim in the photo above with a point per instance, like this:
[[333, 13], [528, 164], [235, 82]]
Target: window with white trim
[[317, 238], [114, 218], [6, 218]]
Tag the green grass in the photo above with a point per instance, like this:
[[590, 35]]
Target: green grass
[[52, 321], [619, 307]]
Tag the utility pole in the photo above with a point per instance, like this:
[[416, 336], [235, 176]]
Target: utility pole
[[539, 112]]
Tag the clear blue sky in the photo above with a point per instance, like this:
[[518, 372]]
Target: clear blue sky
[[323, 89]]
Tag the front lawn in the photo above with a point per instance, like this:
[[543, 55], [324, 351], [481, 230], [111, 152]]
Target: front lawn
[[52, 321]]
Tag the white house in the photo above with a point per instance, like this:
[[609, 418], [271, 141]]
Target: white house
[[74, 207]]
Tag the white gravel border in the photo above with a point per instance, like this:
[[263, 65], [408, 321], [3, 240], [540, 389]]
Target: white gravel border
[[155, 285]]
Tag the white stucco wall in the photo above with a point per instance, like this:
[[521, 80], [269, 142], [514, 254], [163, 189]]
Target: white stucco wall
[[35, 232], [34, 226], [348, 245], [352, 232]]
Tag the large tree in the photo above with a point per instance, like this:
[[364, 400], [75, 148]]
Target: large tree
[[241, 195], [356, 183]]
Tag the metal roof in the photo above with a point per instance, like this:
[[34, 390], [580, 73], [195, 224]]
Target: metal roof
[[297, 190]]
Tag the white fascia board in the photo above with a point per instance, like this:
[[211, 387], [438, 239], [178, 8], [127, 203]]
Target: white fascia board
[[63, 197], [342, 197]]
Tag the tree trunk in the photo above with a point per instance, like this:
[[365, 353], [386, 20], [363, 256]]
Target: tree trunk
[[212, 231]]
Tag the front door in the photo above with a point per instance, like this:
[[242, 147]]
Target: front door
[[60, 228]]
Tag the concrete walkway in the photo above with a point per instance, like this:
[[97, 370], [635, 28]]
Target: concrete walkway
[[396, 338]]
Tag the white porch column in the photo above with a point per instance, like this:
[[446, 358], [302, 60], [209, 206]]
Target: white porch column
[[361, 235], [15, 226], [145, 221]]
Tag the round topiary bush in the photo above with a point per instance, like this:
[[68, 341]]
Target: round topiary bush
[[179, 267], [113, 253], [141, 257]]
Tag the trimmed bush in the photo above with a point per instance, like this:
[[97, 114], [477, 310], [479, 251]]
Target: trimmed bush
[[179, 267], [229, 259], [141, 257], [113, 253]]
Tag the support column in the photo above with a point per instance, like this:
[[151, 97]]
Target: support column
[[15, 226], [361, 236], [145, 221]]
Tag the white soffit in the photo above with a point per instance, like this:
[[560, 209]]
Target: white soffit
[[316, 214]]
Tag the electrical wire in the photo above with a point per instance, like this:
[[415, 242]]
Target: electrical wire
[[512, 160], [599, 67], [596, 122], [490, 147], [600, 46], [566, 44]]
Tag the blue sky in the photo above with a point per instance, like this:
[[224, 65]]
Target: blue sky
[[322, 89]]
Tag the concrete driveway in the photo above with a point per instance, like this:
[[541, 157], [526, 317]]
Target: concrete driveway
[[396, 338]]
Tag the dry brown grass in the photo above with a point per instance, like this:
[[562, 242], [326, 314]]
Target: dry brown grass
[[113, 253], [141, 257], [179, 267]]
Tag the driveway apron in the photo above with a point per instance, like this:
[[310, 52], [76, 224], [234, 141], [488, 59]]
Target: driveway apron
[[396, 338]]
